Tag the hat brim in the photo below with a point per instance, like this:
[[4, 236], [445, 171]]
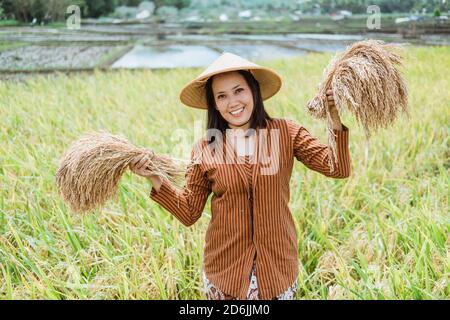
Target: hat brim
[[193, 94]]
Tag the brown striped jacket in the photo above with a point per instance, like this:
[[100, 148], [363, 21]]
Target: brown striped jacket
[[235, 234]]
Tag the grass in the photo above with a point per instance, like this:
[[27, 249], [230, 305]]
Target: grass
[[15, 23], [381, 234], [356, 24], [9, 45], [9, 23], [108, 59]]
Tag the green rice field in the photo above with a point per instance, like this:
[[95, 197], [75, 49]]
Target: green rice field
[[383, 233]]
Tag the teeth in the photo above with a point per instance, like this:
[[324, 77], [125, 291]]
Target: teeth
[[237, 111]]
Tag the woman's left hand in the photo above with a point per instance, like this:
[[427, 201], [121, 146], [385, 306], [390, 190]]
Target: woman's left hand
[[331, 104], [334, 113]]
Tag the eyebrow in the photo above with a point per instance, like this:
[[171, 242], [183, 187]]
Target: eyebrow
[[231, 89]]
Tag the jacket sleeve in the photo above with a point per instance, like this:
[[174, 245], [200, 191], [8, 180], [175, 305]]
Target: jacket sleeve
[[188, 203], [315, 155]]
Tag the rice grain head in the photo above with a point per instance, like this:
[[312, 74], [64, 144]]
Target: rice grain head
[[365, 80], [91, 169]]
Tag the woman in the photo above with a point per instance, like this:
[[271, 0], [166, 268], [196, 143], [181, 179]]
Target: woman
[[251, 227]]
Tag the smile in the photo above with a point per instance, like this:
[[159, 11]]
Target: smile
[[238, 112]]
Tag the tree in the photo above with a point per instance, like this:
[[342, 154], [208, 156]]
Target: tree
[[97, 8], [57, 9], [172, 3], [41, 10], [437, 12], [7, 8], [130, 3]]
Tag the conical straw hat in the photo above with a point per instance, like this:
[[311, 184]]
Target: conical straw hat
[[194, 95]]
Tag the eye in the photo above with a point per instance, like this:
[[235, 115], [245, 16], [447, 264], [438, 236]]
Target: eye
[[239, 90], [220, 96]]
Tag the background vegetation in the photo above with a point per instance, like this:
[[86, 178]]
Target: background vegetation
[[55, 10], [381, 234]]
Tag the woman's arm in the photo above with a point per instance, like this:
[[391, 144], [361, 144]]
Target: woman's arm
[[156, 182], [336, 123], [334, 113], [316, 155], [185, 204]]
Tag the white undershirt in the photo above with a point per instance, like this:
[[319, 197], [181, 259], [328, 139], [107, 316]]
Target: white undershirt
[[245, 146]]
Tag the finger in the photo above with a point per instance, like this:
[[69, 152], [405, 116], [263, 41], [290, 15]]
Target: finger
[[134, 169], [139, 165], [144, 172], [143, 162], [132, 164], [136, 159], [142, 159], [329, 92], [330, 98], [151, 153]]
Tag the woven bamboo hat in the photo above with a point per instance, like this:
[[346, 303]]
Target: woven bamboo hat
[[194, 95]]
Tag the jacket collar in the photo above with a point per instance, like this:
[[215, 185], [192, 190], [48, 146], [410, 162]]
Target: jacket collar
[[240, 167]]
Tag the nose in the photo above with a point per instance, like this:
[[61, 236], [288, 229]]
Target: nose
[[233, 102]]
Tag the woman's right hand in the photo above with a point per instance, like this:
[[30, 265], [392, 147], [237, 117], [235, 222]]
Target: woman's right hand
[[139, 165]]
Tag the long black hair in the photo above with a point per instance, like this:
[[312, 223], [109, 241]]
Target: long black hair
[[259, 115]]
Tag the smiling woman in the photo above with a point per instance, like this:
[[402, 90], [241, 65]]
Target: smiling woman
[[235, 105], [251, 243], [234, 101]]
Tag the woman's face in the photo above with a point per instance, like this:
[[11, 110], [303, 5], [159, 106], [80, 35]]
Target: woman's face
[[234, 99]]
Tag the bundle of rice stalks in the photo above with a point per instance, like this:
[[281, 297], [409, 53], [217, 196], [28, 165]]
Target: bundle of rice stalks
[[91, 168], [364, 80]]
